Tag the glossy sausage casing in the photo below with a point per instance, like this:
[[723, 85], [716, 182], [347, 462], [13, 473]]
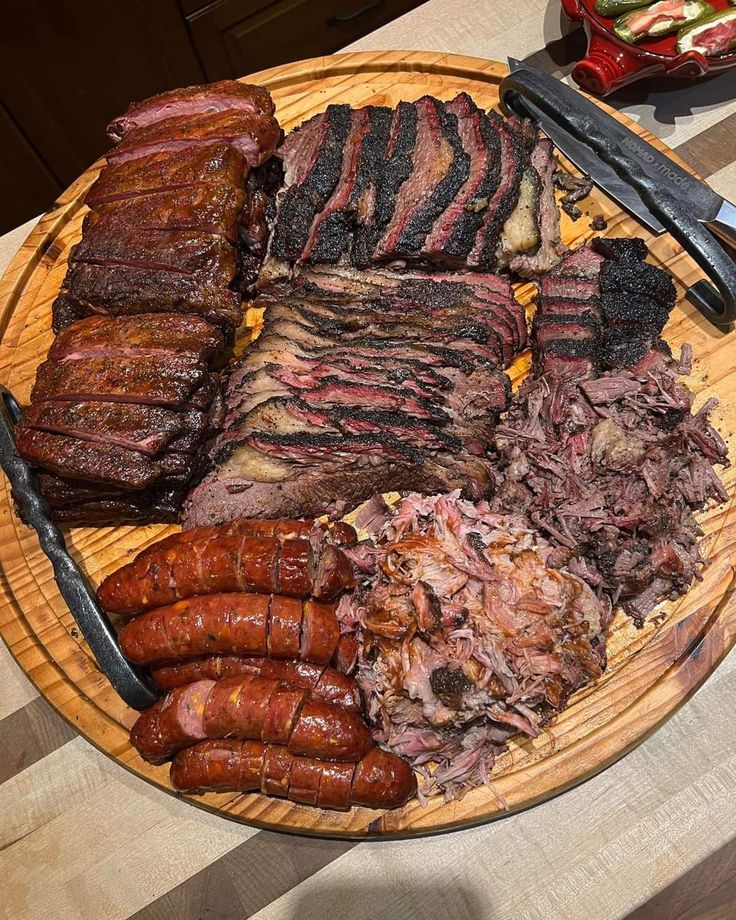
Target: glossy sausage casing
[[379, 780], [248, 707], [232, 624], [212, 560], [324, 683]]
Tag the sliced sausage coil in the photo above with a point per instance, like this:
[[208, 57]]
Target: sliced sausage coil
[[233, 624], [379, 780], [324, 683], [233, 557], [250, 707]]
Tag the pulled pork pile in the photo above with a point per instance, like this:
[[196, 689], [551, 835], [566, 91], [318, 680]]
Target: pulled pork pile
[[610, 469], [469, 633]]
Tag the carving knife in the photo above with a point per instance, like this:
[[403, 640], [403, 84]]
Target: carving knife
[[652, 187]]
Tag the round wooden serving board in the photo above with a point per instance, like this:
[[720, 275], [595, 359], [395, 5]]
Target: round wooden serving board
[[652, 671]]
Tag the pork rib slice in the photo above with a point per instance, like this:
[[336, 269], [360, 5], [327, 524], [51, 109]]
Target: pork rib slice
[[255, 136], [148, 429], [222, 96], [210, 209], [182, 251], [217, 165], [149, 380], [123, 290], [150, 334]]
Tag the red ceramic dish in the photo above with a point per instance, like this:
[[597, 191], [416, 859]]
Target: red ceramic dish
[[611, 63]]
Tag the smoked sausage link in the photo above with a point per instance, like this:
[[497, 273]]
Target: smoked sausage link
[[216, 623], [232, 624], [379, 780], [342, 534], [324, 683], [250, 707], [211, 560]]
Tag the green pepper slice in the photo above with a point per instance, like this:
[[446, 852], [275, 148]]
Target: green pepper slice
[[711, 36], [616, 7], [669, 16]]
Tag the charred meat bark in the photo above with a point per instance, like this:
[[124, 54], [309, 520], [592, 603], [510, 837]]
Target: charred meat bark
[[430, 184]]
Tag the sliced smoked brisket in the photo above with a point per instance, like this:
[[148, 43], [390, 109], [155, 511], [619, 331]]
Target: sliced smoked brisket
[[362, 381], [602, 307], [430, 184]]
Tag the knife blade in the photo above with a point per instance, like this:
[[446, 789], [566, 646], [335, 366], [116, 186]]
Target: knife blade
[[706, 205], [601, 174]]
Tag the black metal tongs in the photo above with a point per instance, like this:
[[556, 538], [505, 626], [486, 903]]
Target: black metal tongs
[[133, 685], [650, 185]]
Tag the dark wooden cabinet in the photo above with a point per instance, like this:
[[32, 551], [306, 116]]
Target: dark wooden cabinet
[[68, 66], [241, 36]]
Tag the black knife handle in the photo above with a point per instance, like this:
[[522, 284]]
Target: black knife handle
[[133, 685], [717, 306]]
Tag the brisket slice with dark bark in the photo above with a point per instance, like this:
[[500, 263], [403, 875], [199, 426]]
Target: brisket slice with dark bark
[[252, 484], [312, 167], [204, 208], [389, 179], [484, 297], [222, 96], [454, 231], [440, 167], [218, 166], [504, 199], [329, 234], [602, 307], [254, 135], [547, 253], [353, 388]]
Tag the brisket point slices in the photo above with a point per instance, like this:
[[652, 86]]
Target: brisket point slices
[[430, 183], [119, 412], [362, 381], [603, 307]]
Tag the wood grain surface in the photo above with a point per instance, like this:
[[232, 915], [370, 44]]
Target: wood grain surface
[[652, 671]]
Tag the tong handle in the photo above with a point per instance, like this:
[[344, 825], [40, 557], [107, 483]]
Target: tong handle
[[719, 307], [131, 684]]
